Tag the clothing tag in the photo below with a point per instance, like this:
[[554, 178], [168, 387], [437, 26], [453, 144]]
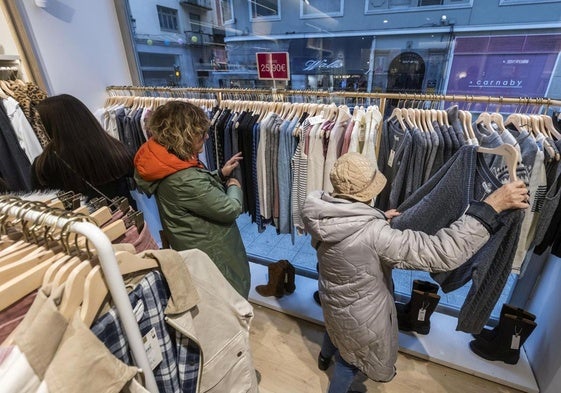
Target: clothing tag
[[487, 187], [421, 315], [152, 348], [515, 341], [138, 311], [315, 120], [391, 157]]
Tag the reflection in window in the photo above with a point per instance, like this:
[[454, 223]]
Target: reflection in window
[[167, 18], [315, 8], [377, 5], [264, 8], [227, 11]]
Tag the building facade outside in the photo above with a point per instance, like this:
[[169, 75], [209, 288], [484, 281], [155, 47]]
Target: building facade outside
[[502, 47]]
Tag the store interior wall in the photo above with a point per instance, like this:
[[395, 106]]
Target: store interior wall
[[7, 44], [542, 347], [80, 47]]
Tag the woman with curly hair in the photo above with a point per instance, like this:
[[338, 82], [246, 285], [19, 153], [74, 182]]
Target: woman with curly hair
[[198, 208]]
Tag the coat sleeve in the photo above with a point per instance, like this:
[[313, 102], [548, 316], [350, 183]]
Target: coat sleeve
[[201, 196], [445, 250]]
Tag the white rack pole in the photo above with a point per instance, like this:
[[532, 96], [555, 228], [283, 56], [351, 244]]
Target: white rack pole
[[115, 283]]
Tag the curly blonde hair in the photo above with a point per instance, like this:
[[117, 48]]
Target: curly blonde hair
[[176, 125]]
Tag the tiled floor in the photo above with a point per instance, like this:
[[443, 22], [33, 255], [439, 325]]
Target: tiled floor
[[272, 246]]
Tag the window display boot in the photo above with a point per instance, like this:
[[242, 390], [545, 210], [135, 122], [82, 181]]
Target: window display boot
[[415, 315], [275, 286], [512, 332], [290, 276], [489, 334], [403, 310]]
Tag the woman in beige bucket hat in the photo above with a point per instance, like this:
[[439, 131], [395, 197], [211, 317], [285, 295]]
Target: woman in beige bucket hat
[[357, 250]]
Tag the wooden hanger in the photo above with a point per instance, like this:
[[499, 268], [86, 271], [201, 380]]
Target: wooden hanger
[[25, 283], [11, 270], [485, 119], [95, 288], [27, 249], [73, 294], [497, 118], [397, 114], [510, 155], [548, 125]]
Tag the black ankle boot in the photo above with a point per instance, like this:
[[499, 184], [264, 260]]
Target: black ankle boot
[[512, 332], [316, 298], [415, 315], [489, 334], [323, 363]]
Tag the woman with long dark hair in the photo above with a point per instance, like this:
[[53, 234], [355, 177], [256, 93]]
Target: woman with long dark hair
[[81, 156]]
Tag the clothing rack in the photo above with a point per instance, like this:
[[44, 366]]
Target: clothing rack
[[540, 104], [110, 269]]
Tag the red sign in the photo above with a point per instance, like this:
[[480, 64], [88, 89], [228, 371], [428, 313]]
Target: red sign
[[273, 65]]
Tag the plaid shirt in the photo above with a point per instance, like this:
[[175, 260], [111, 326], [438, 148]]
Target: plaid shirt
[[178, 370]]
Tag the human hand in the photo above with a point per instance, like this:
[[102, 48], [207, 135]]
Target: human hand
[[231, 164], [233, 182], [513, 195], [391, 214]]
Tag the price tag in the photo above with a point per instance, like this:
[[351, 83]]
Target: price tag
[[152, 347], [315, 120], [515, 342], [422, 314], [391, 158]]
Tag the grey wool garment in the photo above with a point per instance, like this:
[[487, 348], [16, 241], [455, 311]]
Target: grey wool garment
[[463, 178]]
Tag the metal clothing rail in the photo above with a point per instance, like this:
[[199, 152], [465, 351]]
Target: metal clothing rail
[[327, 96], [111, 273]]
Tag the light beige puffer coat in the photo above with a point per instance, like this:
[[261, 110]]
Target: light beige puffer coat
[[357, 250]]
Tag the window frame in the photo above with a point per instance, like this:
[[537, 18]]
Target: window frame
[[252, 18], [341, 12], [232, 20], [163, 11], [448, 4], [521, 2]]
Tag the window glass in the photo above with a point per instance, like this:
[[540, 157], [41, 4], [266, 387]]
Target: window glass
[[168, 18], [396, 5], [264, 8], [317, 8], [227, 11], [386, 46]]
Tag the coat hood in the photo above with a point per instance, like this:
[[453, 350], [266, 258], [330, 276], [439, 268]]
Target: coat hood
[[332, 219], [154, 162]]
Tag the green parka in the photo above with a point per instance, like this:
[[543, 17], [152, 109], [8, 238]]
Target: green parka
[[196, 210]]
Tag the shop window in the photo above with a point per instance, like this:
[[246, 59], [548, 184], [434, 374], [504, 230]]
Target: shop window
[[264, 9], [423, 3], [167, 18], [321, 8], [393, 5], [514, 2], [227, 11]]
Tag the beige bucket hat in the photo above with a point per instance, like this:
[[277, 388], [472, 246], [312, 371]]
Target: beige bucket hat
[[353, 176]]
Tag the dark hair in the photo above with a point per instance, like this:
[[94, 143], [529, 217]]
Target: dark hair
[[3, 186], [79, 140], [176, 124]]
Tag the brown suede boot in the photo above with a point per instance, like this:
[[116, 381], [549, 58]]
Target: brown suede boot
[[289, 285], [275, 286]]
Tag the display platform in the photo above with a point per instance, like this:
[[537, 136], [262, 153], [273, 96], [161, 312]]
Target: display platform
[[443, 345]]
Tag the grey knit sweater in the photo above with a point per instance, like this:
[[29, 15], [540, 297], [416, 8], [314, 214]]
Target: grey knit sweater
[[442, 200]]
